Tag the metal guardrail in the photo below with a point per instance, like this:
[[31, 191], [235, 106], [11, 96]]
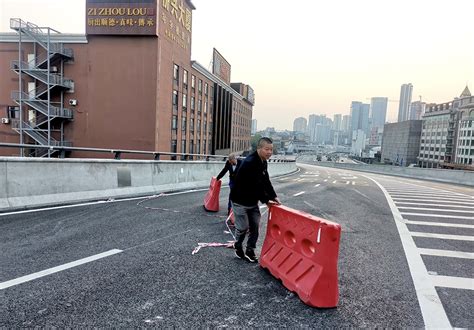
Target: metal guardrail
[[118, 152]]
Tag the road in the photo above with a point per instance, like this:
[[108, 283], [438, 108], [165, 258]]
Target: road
[[405, 259]]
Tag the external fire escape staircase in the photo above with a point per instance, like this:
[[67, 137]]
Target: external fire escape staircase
[[42, 115]]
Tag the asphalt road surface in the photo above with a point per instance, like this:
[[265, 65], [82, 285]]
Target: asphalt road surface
[[405, 259]]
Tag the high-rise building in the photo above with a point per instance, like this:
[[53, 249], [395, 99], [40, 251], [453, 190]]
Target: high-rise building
[[360, 117], [346, 123], [337, 122], [417, 109], [464, 148], [299, 125], [254, 126], [378, 111], [405, 101], [401, 142]]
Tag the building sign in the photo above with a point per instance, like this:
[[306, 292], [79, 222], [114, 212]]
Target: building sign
[[126, 17], [220, 67], [250, 95], [176, 18]]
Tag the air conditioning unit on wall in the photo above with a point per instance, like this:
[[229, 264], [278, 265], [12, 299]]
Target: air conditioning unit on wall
[[5, 120]]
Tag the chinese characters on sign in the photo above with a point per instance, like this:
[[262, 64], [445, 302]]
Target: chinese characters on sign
[[176, 19], [119, 17]]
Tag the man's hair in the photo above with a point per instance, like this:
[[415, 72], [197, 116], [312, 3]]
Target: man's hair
[[264, 140], [232, 156]]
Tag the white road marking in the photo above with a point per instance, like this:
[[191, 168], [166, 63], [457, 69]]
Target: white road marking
[[434, 197], [334, 181], [453, 282], [439, 224], [347, 182], [297, 194], [443, 236], [438, 215], [447, 253], [424, 192], [432, 310], [317, 185], [353, 183], [429, 209], [30, 277], [435, 204], [325, 180], [431, 200]]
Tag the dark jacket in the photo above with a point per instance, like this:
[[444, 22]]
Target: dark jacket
[[232, 172], [252, 183]]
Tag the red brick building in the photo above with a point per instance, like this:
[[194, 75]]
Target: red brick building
[[129, 83]]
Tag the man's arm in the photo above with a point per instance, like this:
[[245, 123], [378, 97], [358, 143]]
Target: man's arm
[[223, 172]]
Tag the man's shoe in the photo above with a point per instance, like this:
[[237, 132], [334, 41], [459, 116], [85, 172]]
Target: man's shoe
[[239, 253], [250, 254]]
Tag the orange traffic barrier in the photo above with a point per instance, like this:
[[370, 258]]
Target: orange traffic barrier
[[302, 250], [211, 200]]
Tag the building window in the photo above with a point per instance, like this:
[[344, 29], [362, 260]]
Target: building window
[[193, 82], [185, 78], [183, 124], [192, 102], [183, 146], [205, 106], [206, 88], [200, 86], [174, 123], [174, 148], [176, 73], [199, 106], [175, 100], [185, 102], [13, 112], [191, 125]]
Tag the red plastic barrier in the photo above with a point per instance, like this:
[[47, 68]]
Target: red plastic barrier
[[211, 200], [302, 250]]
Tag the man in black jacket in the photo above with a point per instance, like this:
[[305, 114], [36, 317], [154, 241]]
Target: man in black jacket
[[232, 165], [252, 184]]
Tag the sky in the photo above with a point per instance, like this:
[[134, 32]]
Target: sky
[[305, 57]]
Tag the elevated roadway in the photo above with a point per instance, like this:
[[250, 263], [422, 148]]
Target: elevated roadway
[[406, 259]]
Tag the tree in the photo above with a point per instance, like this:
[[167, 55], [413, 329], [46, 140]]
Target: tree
[[254, 141]]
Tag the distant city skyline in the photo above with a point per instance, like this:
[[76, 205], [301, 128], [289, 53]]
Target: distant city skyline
[[295, 77]]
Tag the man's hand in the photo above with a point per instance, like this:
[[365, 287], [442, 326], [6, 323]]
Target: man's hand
[[275, 201]]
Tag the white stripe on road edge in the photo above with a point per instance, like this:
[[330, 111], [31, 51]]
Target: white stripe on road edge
[[353, 183], [297, 194], [347, 182], [439, 224], [112, 200], [317, 185], [434, 197], [435, 204], [428, 209], [437, 215], [434, 315], [430, 200], [325, 180], [453, 282], [444, 236], [447, 253], [334, 181], [26, 278]]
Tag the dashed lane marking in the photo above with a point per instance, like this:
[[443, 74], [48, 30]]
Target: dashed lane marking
[[49, 271], [298, 194]]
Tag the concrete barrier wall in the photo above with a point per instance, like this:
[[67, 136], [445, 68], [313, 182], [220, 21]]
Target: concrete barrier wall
[[32, 182], [433, 174]]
